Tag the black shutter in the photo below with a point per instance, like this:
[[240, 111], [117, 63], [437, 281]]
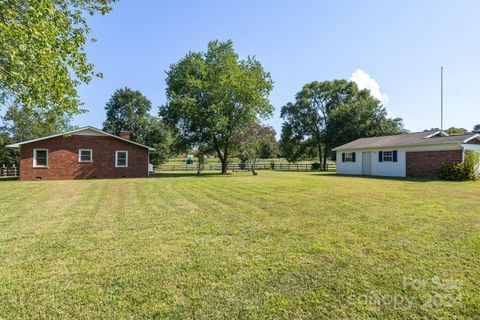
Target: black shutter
[[380, 156], [394, 155], [353, 157], [343, 157]]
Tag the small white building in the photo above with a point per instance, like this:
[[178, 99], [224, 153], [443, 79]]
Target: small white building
[[419, 154]]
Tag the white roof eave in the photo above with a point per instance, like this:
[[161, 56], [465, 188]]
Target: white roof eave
[[476, 135], [473, 136], [405, 146]]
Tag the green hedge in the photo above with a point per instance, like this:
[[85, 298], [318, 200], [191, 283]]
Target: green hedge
[[468, 170]]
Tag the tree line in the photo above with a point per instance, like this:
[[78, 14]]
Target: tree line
[[217, 103]]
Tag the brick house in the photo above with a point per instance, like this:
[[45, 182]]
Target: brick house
[[82, 154], [419, 154]]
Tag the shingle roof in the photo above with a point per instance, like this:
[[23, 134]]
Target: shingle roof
[[406, 140], [18, 144]]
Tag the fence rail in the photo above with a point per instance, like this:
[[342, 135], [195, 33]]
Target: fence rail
[[247, 167], [15, 172], [9, 171]]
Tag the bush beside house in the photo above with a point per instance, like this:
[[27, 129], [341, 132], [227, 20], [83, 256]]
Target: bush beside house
[[469, 170]]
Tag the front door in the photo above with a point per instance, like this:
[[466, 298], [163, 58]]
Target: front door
[[366, 163]]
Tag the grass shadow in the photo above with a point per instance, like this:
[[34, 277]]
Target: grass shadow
[[8, 179]]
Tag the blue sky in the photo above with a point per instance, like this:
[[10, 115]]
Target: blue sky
[[395, 48]]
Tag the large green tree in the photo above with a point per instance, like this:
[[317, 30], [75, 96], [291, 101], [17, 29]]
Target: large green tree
[[295, 146], [330, 113], [360, 119], [213, 95], [129, 110], [159, 136], [42, 52], [476, 128], [456, 131], [22, 123], [452, 131], [8, 156]]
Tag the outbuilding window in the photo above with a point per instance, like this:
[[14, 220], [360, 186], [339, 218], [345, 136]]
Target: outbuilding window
[[40, 158], [388, 156], [121, 159], [85, 155], [348, 157]]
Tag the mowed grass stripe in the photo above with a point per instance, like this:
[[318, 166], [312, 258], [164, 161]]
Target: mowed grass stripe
[[278, 245]]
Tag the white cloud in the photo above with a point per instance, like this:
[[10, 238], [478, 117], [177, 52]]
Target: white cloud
[[364, 81]]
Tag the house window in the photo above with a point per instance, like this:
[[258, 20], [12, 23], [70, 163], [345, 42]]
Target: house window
[[85, 155], [387, 156], [121, 159], [40, 158]]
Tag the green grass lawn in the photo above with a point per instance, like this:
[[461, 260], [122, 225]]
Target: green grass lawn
[[280, 245]]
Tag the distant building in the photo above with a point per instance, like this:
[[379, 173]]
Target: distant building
[[82, 154], [419, 154]]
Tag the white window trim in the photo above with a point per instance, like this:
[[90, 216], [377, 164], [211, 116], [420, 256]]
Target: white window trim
[[390, 156], [116, 159], [35, 158], [348, 156], [80, 155]]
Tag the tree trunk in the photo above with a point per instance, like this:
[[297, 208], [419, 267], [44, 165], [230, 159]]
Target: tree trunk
[[225, 161], [224, 166], [223, 158], [320, 154], [199, 167], [325, 160], [254, 161]]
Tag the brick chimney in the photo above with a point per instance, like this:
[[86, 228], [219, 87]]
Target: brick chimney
[[125, 135]]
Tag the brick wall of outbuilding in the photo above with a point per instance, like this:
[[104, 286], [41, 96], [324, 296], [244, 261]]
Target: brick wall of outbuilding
[[426, 164], [63, 159]]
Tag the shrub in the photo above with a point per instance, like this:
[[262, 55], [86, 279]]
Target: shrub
[[468, 170], [316, 166]]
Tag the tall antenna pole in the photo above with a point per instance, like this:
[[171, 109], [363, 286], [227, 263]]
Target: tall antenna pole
[[441, 98]]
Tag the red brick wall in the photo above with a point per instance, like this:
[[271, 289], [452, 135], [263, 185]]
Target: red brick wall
[[426, 164], [63, 159]]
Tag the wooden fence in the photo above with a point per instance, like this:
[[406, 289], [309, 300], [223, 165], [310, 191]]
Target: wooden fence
[[247, 167], [14, 171], [9, 171]]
